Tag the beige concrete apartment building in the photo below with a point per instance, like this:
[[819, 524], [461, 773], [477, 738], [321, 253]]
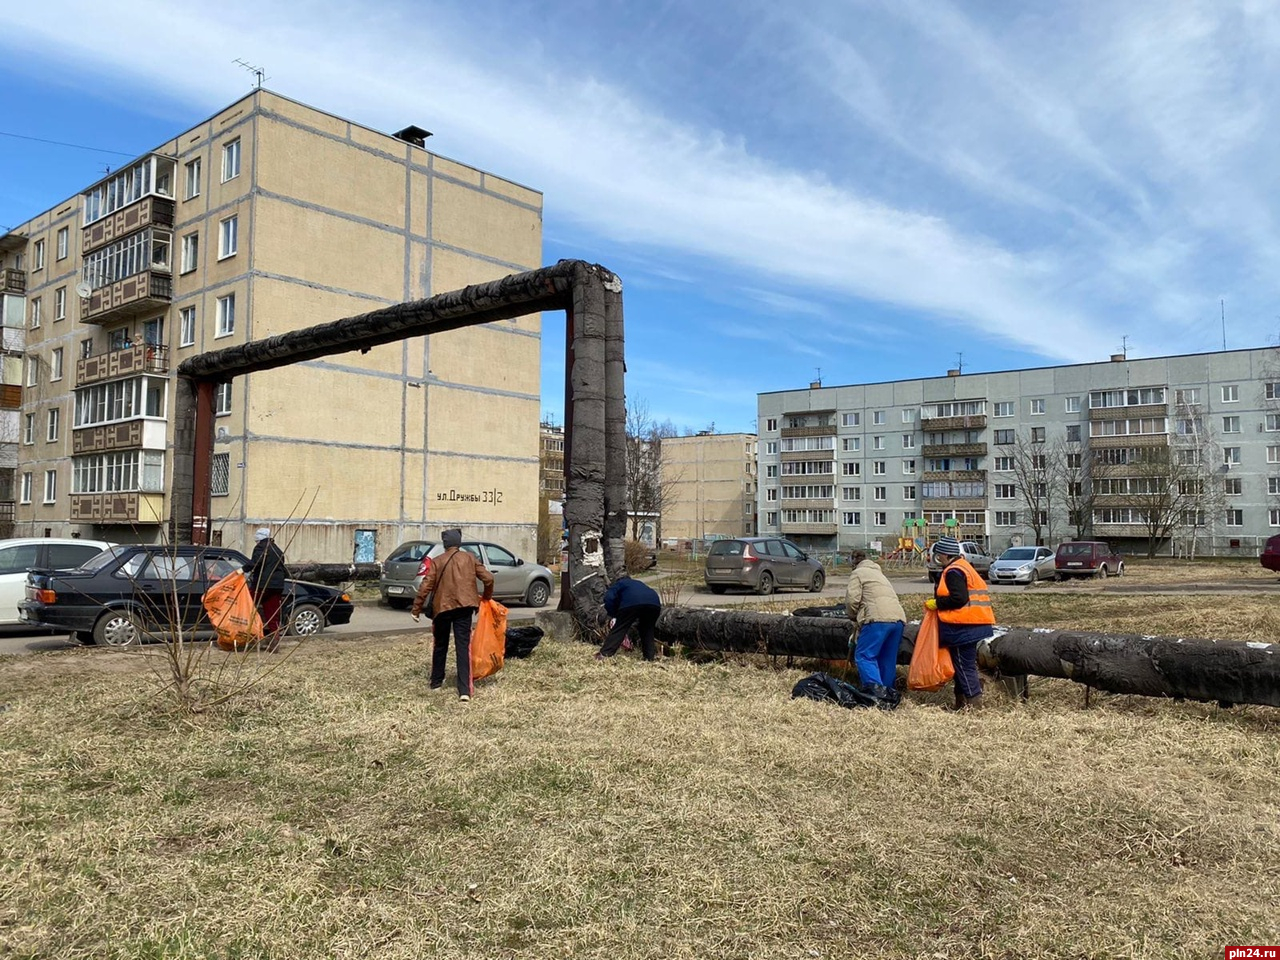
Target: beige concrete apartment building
[[709, 486], [268, 217]]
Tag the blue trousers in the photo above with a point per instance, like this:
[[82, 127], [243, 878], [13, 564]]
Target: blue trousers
[[876, 652]]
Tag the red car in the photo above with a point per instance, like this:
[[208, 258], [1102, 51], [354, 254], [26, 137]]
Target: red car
[[1088, 558], [1270, 556]]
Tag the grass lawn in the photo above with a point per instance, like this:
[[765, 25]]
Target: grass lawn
[[629, 810]]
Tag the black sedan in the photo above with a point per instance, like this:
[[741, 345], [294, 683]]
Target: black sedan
[[140, 591]]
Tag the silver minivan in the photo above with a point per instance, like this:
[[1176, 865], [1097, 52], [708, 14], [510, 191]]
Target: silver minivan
[[761, 564]]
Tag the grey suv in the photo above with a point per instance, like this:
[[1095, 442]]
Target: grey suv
[[513, 578], [761, 564]]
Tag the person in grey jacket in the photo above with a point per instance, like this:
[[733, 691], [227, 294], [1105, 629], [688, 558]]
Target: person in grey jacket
[[871, 602]]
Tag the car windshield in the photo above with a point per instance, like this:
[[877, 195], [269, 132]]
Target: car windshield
[[1019, 553]]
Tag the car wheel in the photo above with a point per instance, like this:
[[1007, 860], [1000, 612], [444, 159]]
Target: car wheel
[[306, 620], [538, 594], [715, 589], [765, 586], [1120, 569], [1102, 572], [818, 582], [117, 628], [399, 603]]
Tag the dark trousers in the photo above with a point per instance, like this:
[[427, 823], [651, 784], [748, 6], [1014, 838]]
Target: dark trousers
[[269, 602], [458, 621], [645, 618], [965, 659]]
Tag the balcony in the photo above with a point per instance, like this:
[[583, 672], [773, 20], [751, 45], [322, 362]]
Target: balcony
[[134, 434], [824, 431], [958, 504], [13, 281], [1129, 440], [1132, 412], [933, 450], [131, 297], [792, 455], [10, 396], [977, 421], [147, 212], [117, 507], [114, 364], [824, 503], [972, 476], [820, 529]]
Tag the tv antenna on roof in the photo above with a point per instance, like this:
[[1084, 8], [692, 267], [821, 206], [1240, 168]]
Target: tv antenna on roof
[[258, 72]]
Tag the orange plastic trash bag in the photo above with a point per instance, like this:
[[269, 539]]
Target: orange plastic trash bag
[[488, 640], [931, 664], [232, 612]]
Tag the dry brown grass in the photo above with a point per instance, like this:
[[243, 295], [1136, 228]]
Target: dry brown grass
[[622, 810]]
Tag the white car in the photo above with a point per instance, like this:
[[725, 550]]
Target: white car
[[45, 553]]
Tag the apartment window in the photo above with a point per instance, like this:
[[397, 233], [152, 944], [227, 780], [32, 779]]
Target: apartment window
[[1037, 434], [1004, 408], [1003, 464], [850, 419], [64, 243], [1036, 407], [877, 443], [909, 416], [1273, 486], [26, 488], [1235, 518], [55, 417], [1273, 422], [851, 518], [1075, 461], [1273, 454], [771, 470], [1072, 405], [190, 253], [1004, 436], [1230, 424], [1231, 456], [33, 370], [60, 304], [850, 444], [50, 486], [1039, 461], [29, 428], [1233, 487], [231, 160], [850, 493], [1231, 393], [227, 316], [227, 239], [771, 518], [1006, 518], [37, 256], [1271, 390], [222, 399], [86, 348], [55, 364], [220, 483], [1073, 433], [1188, 397], [193, 178], [1006, 491], [877, 418], [909, 492], [771, 423], [879, 468], [1274, 514], [187, 326], [771, 446], [908, 467], [908, 441], [36, 304], [771, 494], [880, 494]]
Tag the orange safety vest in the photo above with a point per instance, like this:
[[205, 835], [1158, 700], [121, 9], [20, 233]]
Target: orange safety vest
[[978, 609]]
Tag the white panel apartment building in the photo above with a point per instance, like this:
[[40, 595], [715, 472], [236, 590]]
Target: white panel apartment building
[[843, 467]]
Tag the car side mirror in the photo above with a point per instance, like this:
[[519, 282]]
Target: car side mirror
[[519, 562]]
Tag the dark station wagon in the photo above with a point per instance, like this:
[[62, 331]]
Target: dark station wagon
[[134, 591], [1088, 558]]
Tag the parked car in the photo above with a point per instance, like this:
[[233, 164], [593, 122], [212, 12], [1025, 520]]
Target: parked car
[[1023, 565], [761, 564], [514, 580], [128, 592], [1088, 558], [972, 552], [1270, 556], [48, 553]]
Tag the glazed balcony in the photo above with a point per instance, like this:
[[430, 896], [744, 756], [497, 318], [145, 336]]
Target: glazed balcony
[[114, 364], [13, 281], [1129, 440], [958, 504], [819, 529], [142, 293], [1131, 412], [139, 433], [976, 421], [935, 450], [117, 508], [822, 431], [150, 211]]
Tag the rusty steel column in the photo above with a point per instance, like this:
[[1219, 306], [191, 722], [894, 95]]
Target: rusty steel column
[[202, 461]]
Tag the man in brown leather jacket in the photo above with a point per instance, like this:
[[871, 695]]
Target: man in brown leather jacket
[[453, 577]]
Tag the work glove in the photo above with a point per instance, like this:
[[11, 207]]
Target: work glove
[[416, 618], [931, 604]]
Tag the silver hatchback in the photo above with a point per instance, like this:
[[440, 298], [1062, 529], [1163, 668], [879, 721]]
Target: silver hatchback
[[514, 580], [761, 564], [1023, 565]]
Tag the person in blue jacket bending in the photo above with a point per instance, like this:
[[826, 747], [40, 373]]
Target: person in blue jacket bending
[[630, 602]]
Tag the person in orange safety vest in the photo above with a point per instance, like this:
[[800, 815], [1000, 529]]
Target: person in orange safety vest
[[965, 618]]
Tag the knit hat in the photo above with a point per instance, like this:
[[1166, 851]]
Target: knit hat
[[264, 533], [451, 538], [947, 546]]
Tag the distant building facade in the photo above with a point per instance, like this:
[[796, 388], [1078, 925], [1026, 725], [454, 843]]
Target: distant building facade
[[847, 467], [709, 486], [268, 217]]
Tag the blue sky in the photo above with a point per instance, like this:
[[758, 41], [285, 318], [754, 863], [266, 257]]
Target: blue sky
[[865, 188]]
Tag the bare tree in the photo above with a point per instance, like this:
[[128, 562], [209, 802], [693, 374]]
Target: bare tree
[[1077, 488], [1165, 489], [648, 491], [1038, 469]]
